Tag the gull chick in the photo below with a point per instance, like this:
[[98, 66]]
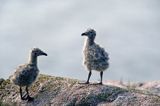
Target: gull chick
[[95, 57], [26, 74]]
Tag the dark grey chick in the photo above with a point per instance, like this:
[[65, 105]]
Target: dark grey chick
[[26, 74]]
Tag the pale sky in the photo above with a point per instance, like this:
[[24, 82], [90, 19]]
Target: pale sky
[[128, 30]]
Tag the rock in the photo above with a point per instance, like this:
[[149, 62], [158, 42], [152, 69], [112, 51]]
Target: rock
[[57, 91], [153, 86], [1, 80]]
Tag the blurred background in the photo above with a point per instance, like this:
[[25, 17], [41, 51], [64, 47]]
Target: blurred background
[[128, 30]]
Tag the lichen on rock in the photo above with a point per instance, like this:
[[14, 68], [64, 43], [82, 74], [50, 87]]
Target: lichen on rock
[[57, 91]]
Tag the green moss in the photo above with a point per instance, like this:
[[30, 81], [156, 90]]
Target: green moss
[[108, 96], [5, 104], [53, 85], [103, 96], [54, 82], [43, 78], [83, 102], [73, 83], [49, 84], [156, 100], [59, 78], [1, 80], [72, 103], [8, 104], [3, 91], [4, 83]]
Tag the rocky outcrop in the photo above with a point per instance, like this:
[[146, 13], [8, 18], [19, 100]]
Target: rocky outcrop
[[57, 91], [1, 80]]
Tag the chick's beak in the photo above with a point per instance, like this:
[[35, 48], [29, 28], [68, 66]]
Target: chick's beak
[[83, 34], [45, 54]]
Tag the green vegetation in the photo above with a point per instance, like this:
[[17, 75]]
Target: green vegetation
[[66, 91], [5, 104], [4, 83]]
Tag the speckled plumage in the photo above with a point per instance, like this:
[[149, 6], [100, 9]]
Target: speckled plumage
[[26, 74], [94, 56]]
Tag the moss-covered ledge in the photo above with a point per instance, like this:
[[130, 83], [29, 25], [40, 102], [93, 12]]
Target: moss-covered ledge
[[57, 91]]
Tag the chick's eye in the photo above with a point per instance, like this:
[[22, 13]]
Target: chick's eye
[[35, 53]]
